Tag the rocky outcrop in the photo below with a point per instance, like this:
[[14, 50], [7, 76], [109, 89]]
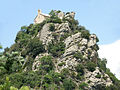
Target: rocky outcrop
[[74, 43], [92, 40], [97, 78], [36, 64], [45, 35]]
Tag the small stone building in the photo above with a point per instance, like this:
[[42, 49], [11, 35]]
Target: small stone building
[[40, 17]]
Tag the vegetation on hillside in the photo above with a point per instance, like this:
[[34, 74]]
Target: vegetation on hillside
[[16, 62]]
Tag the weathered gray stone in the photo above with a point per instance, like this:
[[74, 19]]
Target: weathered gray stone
[[45, 35], [84, 41], [71, 50], [73, 44], [92, 40], [64, 27], [91, 76], [71, 40]]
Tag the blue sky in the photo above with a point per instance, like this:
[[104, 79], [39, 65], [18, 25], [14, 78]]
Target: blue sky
[[101, 17]]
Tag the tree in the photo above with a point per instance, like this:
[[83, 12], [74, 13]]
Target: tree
[[6, 85], [80, 69], [56, 49], [83, 85], [102, 64], [35, 47], [85, 34], [46, 63], [22, 36], [91, 66], [68, 84], [11, 62]]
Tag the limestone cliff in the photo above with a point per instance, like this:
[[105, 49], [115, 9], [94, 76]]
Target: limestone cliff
[[57, 54], [80, 42]]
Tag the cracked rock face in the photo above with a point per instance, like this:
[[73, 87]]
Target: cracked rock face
[[61, 28], [45, 35], [36, 64], [70, 50], [74, 43], [93, 80]]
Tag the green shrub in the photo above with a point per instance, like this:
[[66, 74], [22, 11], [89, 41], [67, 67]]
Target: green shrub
[[13, 88], [91, 66], [61, 64], [24, 28], [52, 13], [6, 85], [65, 72], [83, 85], [52, 27], [11, 62], [73, 74], [46, 63], [28, 64], [97, 40], [55, 35], [98, 76], [35, 47], [53, 18], [31, 30], [80, 28], [78, 55], [85, 34], [31, 79], [73, 24], [76, 31], [56, 77], [96, 47], [47, 79], [112, 87], [112, 77], [22, 36], [102, 64], [100, 87], [24, 88], [15, 47], [56, 49], [39, 26], [89, 81], [80, 69], [79, 76], [68, 84], [63, 37]]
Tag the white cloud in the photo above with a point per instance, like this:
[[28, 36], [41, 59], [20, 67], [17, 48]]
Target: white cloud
[[112, 53]]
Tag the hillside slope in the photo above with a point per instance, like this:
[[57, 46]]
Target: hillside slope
[[57, 54]]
